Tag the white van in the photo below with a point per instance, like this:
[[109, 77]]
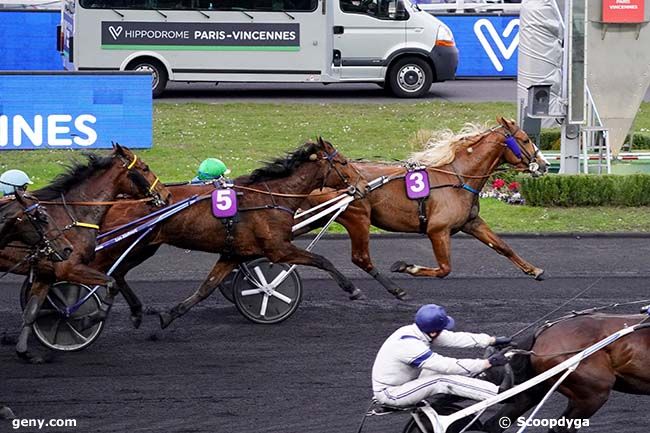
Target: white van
[[389, 42]]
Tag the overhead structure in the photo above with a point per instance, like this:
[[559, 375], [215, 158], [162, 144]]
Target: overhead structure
[[598, 81], [618, 55]]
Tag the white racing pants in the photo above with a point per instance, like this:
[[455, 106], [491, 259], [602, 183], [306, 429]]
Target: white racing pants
[[430, 383]]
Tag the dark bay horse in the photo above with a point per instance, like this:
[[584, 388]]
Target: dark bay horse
[[23, 219], [622, 366], [271, 195], [77, 201], [458, 168]]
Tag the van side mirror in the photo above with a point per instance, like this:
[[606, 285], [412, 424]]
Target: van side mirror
[[400, 11]]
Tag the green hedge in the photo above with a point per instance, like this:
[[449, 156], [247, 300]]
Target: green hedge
[[550, 140], [587, 190]]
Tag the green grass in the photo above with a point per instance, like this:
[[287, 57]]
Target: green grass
[[245, 134]]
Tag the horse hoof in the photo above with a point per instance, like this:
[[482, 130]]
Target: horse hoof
[[136, 320], [29, 358], [6, 413], [357, 295], [540, 276], [165, 320], [399, 266], [398, 294]]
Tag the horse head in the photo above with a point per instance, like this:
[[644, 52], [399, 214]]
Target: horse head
[[25, 220], [140, 180], [340, 173], [522, 152]]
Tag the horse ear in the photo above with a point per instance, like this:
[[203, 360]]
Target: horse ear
[[502, 121], [320, 140]]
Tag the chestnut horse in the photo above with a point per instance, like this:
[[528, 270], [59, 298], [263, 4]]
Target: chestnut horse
[[621, 366], [458, 169], [270, 197], [23, 219], [87, 189]]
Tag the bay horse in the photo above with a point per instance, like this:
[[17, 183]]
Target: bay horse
[[621, 366], [458, 168], [88, 189], [23, 219], [271, 195]]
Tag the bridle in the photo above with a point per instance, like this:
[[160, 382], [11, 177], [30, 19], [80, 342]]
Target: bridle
[[512, 143], [154, 195], [43, 247], [352, 189]]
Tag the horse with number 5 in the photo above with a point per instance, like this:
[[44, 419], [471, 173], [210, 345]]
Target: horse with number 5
[[260, 224], [442, 186]]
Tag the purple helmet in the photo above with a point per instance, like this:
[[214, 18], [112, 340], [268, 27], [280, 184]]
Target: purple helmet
[[433, 318]]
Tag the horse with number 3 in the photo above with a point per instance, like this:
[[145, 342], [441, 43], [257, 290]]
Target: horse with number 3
[[442, 186]]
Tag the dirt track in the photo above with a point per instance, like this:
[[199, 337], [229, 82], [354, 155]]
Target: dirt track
[[212, 371]]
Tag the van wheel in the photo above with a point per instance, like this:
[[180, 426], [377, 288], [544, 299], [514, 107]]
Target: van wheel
[[158, 74], [410, 77]]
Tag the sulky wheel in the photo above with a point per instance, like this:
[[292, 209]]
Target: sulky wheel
[[58, 331], [260, 297]]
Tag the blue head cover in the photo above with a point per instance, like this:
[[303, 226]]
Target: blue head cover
[[514, 146], [433, 318]]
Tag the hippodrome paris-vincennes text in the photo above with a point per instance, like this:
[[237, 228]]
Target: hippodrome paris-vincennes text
[[238, 35]]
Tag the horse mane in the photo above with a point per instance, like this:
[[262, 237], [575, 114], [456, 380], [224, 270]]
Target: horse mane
[[442, 146], [281, 167], [75, 173]]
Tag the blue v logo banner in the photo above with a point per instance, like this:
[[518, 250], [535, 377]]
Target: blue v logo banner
[[487, 44], [75, 110]]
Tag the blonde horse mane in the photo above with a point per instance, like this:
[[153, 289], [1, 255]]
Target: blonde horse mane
[[442, 146]]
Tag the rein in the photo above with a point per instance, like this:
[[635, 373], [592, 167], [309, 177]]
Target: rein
[[98, 203], [278, 194]]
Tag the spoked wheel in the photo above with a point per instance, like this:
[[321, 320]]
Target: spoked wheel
[[227, 286], [264, 293], [58, 331]]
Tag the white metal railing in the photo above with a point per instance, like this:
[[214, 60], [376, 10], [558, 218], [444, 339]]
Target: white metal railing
[[462, 6]]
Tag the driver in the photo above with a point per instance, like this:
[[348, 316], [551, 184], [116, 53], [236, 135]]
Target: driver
[[210, 169], [12, 180], [406, 371]]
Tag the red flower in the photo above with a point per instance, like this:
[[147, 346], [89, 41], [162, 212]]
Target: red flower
[[514, 186], [498, 183]]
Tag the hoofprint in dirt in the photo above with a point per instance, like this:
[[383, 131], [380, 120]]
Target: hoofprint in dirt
[[215, 372]]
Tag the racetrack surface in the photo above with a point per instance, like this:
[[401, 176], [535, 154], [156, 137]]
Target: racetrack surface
[[212, 371]]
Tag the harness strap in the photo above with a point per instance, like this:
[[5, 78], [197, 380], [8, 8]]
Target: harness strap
[[97, 203], [135, 159], [422, 214], [85, 225]]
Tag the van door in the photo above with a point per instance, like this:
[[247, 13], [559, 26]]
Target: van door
[[365, 32]]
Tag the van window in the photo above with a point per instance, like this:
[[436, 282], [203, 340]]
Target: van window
[[382, 9], [208, 5]]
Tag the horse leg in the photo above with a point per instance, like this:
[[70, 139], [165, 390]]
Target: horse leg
[[478, 228], [441, 243], [357, 227], [38, 294], [135, 305], [512, 410], [221, 269], [289, 253], [587, 391], [83, 274]]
